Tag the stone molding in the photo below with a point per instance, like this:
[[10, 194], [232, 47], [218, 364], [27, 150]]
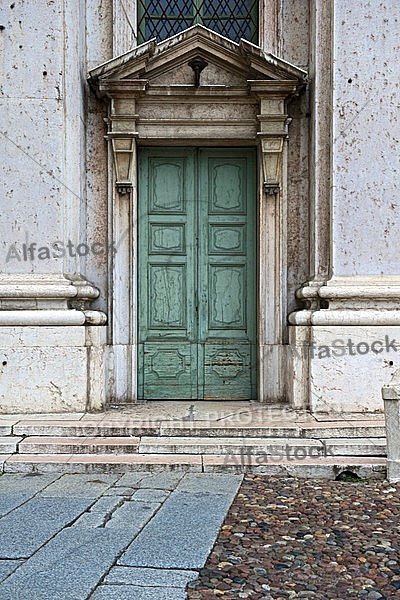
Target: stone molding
[[349, 301], [36, 299]]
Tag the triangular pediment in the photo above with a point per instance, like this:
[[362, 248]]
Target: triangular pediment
[[229, 64]]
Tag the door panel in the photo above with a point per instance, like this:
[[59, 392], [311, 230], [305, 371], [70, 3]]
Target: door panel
[[197, 274], [167, 369], [226, 279]]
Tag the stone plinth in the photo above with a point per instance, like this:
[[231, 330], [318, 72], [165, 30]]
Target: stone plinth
[[391, 399]]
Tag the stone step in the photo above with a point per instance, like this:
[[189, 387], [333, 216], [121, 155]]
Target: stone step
[[356, 446], [223, 445], [327, 429], [226, 429], [123, 428], [100, 463], [73, 428], [349, 429], [78, 445], [9, 444], [325, 467], [322, 467], [6, 427], [294, 447]]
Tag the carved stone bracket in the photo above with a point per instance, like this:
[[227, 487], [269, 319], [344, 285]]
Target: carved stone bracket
[[273, 130], [122, 127], [272, 149], [123, 144]]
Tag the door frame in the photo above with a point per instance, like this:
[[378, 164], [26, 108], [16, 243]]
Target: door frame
[[152, 101], [270, 279]]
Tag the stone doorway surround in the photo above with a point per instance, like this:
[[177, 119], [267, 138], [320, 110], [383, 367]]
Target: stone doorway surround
[[198, 89]]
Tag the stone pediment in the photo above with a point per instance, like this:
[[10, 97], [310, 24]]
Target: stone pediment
[[197, 88], [229, 64]]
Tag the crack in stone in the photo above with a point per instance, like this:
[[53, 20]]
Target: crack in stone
[[109, 514]]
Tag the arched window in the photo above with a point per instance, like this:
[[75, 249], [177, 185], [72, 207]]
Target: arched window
[[233, 19]]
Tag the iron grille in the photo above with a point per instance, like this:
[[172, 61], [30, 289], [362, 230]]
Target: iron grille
[[233, 19]]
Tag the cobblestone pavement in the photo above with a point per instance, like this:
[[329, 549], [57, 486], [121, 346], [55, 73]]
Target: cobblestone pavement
[[136, 536], [295, 538]]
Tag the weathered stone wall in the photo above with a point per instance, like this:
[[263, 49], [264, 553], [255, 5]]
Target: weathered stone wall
[[47, 199], [366, 133], [43, 131]]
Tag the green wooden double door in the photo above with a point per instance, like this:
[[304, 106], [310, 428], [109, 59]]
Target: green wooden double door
[[197, 265]]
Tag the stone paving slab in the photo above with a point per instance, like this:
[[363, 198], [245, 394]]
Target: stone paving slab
[[90, 520], [79, 486], [133, 592], [134, 479], [150, 577], [68, 567], [132, 516], [106, 504], [99, 512], [158, 481], [72, 534], [120, 491], [10, 501], [7, 567], [182, 532], [210, 484], [150, 495], [115, 512], [17, 489], [27, 484], [29, 526]]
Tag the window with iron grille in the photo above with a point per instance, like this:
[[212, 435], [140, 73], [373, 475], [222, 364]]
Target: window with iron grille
[[233, 19]]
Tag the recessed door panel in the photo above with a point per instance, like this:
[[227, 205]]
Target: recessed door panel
[[197, 257]]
